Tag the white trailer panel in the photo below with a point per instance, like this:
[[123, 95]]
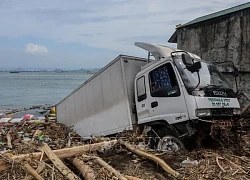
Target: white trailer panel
[[103, 104]]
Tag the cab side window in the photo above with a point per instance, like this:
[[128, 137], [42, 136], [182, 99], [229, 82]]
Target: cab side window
[[163, 82], [141, 89]]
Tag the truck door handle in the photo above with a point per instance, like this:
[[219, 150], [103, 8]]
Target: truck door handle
[[154, 104]]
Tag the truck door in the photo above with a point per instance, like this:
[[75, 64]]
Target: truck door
[[141, 98], [165, 96]]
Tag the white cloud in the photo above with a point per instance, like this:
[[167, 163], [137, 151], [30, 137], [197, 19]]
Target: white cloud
[[106, 21], [111, 24], [35, 49]]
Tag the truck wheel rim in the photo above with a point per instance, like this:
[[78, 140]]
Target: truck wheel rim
[[169, 144]]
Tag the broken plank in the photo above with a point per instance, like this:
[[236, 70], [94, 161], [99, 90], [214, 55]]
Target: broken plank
[[58, 163], [39, 169], [8, 137], [32, 171]]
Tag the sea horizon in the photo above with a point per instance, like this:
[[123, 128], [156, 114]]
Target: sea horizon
[[27, 89]]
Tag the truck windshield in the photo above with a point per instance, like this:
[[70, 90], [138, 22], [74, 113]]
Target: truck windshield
[[210, 76]]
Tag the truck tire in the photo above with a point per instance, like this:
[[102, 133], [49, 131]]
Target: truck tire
[[168, 142]]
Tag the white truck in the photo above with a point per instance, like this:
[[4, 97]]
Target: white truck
[[175, 97]]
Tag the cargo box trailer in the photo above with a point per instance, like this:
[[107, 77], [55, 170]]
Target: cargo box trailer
[[174, 98], [103, 105]]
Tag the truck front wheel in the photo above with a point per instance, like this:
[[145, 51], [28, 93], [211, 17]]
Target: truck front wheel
[[168, 142]]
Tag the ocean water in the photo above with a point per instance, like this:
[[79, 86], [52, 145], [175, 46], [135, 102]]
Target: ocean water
[[26, 89]]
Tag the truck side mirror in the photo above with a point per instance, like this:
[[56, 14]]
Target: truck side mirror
[[187, 59], [194, 67], [190, 65]]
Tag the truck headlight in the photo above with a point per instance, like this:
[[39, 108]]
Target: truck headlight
[[203, 112], [236, 111]]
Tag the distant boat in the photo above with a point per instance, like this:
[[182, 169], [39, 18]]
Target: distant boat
[[14, 71]]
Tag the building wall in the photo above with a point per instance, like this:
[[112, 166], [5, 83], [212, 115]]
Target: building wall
[[222, 39]]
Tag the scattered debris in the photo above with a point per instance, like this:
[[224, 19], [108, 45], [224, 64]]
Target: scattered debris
[[189, 163], [39, 149]]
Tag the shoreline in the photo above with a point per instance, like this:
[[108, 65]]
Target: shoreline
[[28, 108], [36, 110]]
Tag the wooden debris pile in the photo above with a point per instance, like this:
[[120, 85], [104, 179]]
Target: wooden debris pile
[[49, 150], [24, 136], [217, 165]]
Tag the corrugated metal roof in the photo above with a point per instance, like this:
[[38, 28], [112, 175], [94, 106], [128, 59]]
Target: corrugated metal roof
[[173, 38], [218, 14]]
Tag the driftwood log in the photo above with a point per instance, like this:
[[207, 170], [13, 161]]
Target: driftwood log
[[109, 168], [85, 170], [59, 164], [32, 171], [39, 169], [61, 153], [150, 157]]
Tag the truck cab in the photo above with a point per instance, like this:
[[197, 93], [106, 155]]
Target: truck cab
[[178, 95]]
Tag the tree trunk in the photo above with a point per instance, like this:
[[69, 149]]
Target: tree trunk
[[61, 153], [59, 164], [86, 171], [151, 157]]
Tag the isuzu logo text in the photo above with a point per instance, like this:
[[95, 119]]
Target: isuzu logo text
[[220, 93]]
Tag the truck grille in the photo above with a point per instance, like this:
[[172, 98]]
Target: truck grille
[[222, 112]]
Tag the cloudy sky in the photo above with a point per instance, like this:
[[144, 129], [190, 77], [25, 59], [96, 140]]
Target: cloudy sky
[[77, 34]]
